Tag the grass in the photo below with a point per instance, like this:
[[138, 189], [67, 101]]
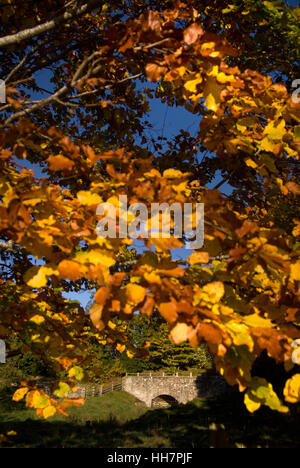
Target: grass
[[115, 420]]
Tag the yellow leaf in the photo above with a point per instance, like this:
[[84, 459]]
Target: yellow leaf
[[38, 319], [214, 291], [95, 256], [266, 144], [49, 411], [152, 278], [250, 163], [275, 130], [120, 347], [76, 372], [295, 271], [173, 174], [88, 198], [36, 399], [20, 393], [292, 389], [191, 85], [135, 293], [211, 92], [251, 403], [62, 390], [36, 277], [255, 320], [240, 334], [199, 257], [261, 391], [223, 78]]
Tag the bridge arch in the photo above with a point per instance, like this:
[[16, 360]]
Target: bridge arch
[[163, 400]]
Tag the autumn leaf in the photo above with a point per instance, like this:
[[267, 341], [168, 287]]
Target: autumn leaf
[[192, 33], [88, 198], [179, 333], [295, 271], [36, 277], [96, 315], [102, 294], [168, 310], [62, 390], [213, 292], [199, 257], [291, 390], [49, 411], [212, 94], [135, 293], [76, 372], [191, 85], [261, 392], [60, 163], [173, 174], [70, 269], [37, 399], [20, 393], [155, 72], [96, 256]]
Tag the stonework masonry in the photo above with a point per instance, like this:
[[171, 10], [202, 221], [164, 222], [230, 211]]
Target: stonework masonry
[[181, 388]]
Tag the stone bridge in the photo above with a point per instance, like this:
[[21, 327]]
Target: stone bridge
[[172, 389]]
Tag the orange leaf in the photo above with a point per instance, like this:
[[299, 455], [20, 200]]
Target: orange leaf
[[169, 311], [179, 333], [69, 269], [210, 333], [199, 257], [135, 293], [102, 295], [60, 163], [192, 33], [96, 316], [155, 72]]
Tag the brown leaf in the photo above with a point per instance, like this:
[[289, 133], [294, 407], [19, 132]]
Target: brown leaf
[[210, 332], [192, 33], [169, 311], [148, 306], [271, 340], [155, 72], [293, 188], [60, 163], [248, 226], [96, 316], [102, 295], [151, 21]]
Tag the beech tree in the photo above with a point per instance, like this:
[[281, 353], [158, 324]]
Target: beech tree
[[84, 141]]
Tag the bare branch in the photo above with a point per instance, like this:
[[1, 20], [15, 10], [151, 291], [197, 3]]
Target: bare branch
[[42, 28], [39, 105]]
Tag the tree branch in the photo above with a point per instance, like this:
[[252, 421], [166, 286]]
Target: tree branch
[[42, 28]]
